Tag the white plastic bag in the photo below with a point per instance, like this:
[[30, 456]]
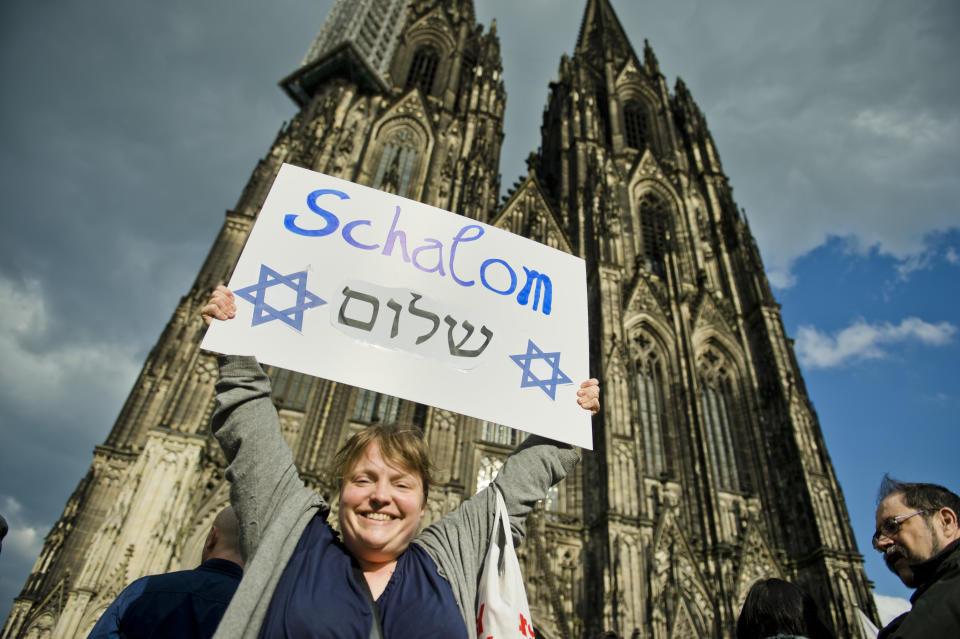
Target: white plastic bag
[[502, 608]]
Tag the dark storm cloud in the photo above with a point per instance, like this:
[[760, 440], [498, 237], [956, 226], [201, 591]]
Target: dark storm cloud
[[834, 118], [127, 129], [136, 123]]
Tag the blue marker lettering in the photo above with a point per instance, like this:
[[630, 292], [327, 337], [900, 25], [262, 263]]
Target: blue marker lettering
[[433, 244], [524, 294], [290, 220], [483, 275], [347, 233], [393, 235], [461, 236]]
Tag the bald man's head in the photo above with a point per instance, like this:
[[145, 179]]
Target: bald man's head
[[223, 541]]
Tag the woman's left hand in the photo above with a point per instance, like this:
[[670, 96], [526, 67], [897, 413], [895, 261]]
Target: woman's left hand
[[589, 396], [221, 305]]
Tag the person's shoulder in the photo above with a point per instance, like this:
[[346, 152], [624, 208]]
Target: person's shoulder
[[218, 566], [214, 585], [129, 596], [952, 559], [890, 628], [164, 581]]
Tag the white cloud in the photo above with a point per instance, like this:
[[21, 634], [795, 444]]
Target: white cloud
[[12, 507], [915, 128], [47, 379], [863, 341], [889, 608], [878, 178], [23, 540], [26, 542], [952, 256], [918, 262], [781, 278]]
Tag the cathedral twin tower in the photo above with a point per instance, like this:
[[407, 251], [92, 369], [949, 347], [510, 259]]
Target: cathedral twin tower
[[709, 470]]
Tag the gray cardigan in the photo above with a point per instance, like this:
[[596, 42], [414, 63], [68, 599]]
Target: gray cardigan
[[274, 506]]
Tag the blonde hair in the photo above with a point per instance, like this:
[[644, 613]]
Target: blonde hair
[[402, 445]]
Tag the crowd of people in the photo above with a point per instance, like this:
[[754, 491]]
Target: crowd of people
[[383, 575]]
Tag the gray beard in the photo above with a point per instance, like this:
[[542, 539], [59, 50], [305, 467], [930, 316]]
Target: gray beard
[[891, 554], [896, 551]]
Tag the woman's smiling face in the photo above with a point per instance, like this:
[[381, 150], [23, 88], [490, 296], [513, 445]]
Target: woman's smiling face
[[381, 505]]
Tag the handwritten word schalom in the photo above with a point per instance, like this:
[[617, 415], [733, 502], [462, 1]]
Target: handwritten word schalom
[[428, 257]]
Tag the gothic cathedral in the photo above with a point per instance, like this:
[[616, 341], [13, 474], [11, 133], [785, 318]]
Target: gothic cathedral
[[709, 470]]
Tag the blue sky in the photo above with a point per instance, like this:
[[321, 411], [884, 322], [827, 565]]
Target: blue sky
[[128, 129], [877, 342]]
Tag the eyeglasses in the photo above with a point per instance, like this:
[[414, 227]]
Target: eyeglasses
[[891, 526]]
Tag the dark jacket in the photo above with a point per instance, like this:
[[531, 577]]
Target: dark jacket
[[936, 602], [187, 604]]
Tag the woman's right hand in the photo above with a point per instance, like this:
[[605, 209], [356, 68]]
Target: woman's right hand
[[221, 305]]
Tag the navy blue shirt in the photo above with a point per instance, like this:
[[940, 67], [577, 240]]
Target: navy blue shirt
[[318, 596], [189, 603]]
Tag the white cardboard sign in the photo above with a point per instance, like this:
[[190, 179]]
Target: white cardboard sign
[[345, 282]]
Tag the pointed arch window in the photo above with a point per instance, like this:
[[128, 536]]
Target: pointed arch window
[[396, 163], [651, 406], [654, 223], [717, 402], [420, 413], [635, 124], [290, 389], [500, 434], [423, 69], [374, 407], [551, 503]]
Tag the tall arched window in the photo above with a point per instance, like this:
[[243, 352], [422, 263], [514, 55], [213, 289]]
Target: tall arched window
[[551, 503], [374, 407], [396, 163], [717, 399], [423, 69], [635, 123], [654, 223], [651, 407], [290, 389], [500, 434]]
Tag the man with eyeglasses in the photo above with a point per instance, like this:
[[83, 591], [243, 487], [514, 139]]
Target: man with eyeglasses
[[918, 534]]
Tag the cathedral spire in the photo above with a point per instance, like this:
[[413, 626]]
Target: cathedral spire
[[601, 35], [649, 58], [358, 40]]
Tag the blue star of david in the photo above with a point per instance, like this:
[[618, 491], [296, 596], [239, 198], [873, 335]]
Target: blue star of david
[[549, 386], [263, 312]]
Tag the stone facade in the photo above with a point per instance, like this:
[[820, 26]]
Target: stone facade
[[709, 470]]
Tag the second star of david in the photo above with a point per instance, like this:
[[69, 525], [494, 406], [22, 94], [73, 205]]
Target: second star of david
[[549, 386], [263, 312]]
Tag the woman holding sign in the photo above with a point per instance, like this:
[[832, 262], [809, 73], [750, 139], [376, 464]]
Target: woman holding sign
[[384, 576]]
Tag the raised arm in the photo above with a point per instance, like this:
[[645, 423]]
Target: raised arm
[[538, 463], [261, 471], [459, 540], [527, 474]]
